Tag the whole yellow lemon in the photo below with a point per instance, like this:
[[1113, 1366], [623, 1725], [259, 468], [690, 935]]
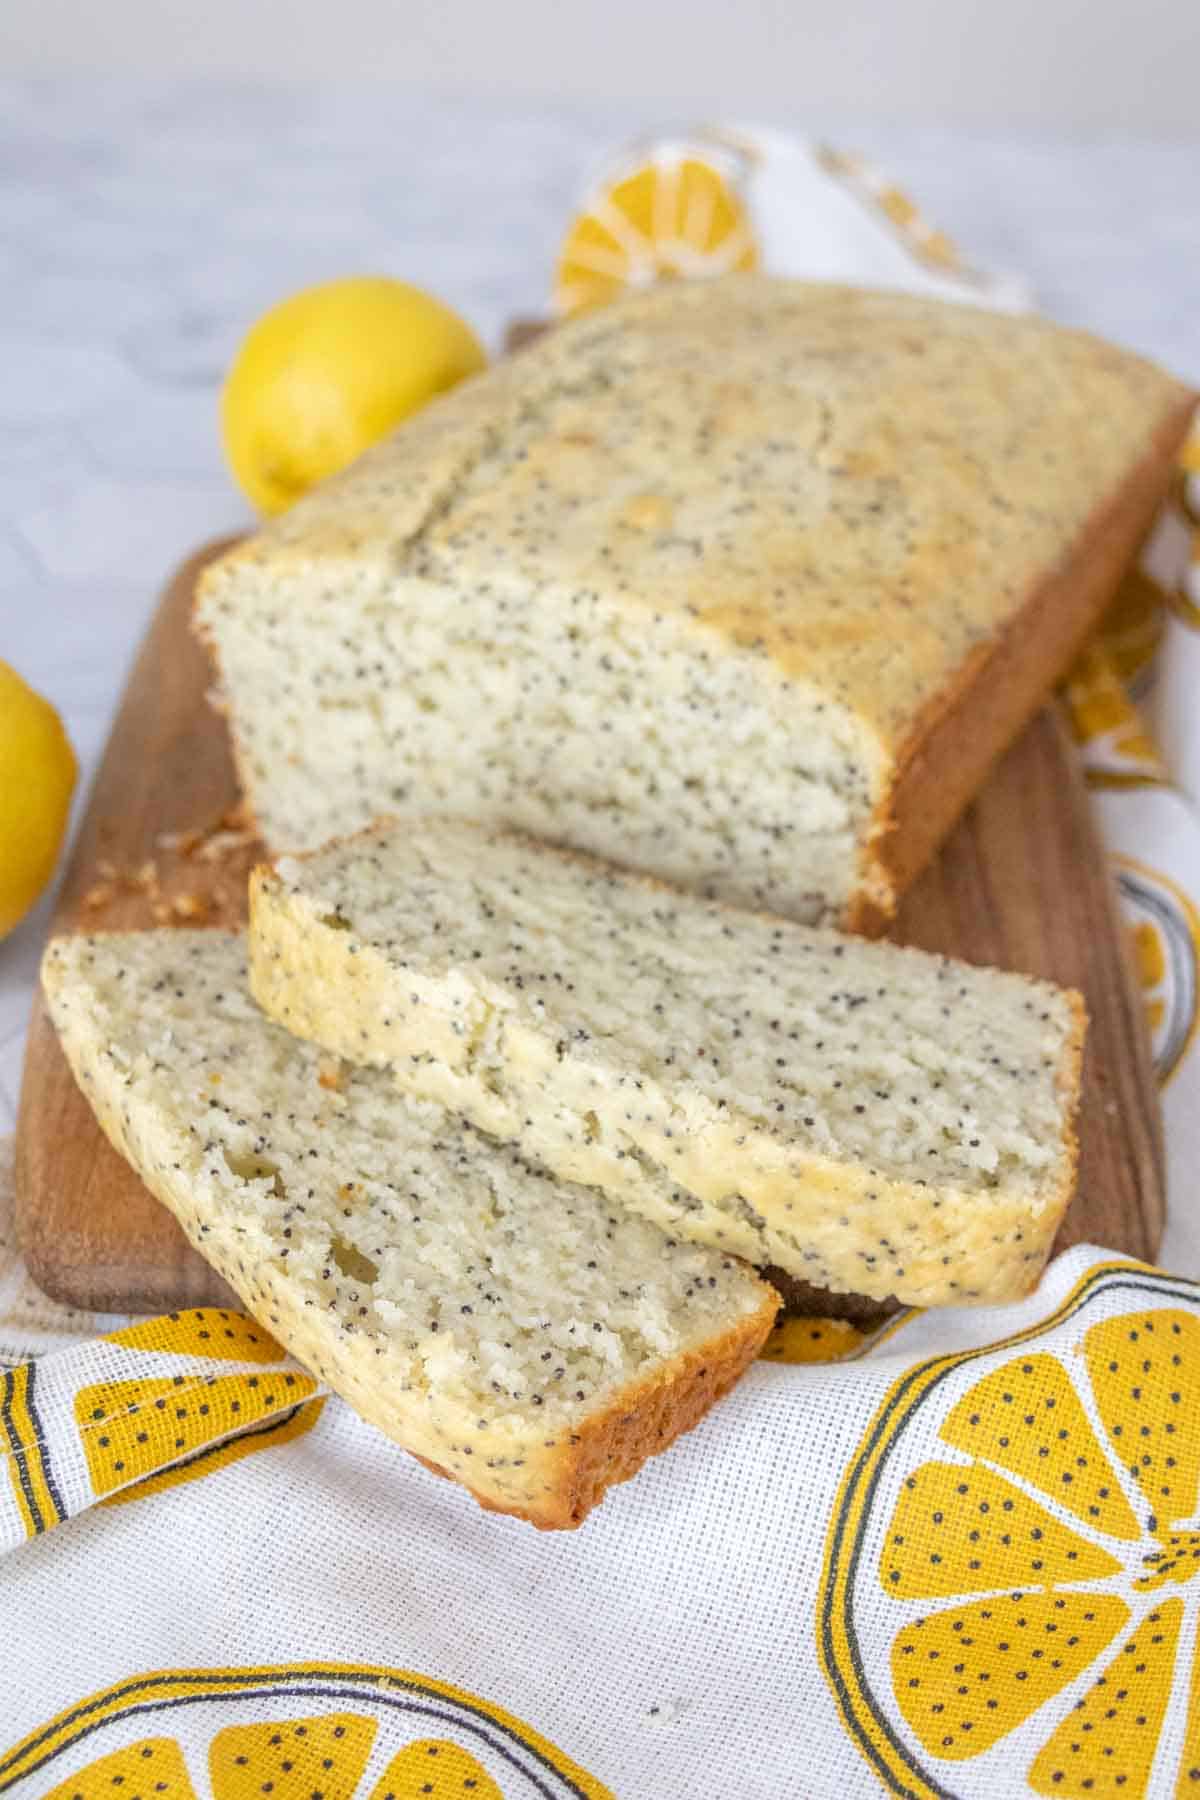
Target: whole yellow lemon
[[327, 372], [37, 778]]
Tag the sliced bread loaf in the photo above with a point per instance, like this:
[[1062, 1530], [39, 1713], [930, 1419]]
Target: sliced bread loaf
[[744, 583], [874, 1120], [526, 1337]]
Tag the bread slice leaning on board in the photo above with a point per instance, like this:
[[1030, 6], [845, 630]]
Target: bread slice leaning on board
[[874, 1120], [745, 583], [526, 1337]]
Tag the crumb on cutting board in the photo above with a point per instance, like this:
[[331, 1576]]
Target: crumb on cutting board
[[196, 876]]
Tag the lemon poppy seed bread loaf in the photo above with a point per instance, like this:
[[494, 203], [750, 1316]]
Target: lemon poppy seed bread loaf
[[526, 1337], [744, 583], [874, 1120]]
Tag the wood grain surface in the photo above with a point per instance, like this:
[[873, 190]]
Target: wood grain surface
[[1022, 883]]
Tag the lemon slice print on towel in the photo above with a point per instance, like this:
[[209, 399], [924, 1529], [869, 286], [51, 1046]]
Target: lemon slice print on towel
[[151, 1766], [148, 1432], [304, 1731], [132, 1428], [1012, 1585], [289, 1759], [1117, 750], [1164, 923], [811, 1340], [676, 214]]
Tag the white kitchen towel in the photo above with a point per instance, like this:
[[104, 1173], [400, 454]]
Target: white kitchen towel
[[963, 1561]]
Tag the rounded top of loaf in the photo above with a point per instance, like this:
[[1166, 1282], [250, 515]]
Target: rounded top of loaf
[[860, 488]]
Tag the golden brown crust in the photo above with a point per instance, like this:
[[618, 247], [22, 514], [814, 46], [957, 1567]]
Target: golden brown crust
[[605, 1449], [967, 727], [644, 1419]]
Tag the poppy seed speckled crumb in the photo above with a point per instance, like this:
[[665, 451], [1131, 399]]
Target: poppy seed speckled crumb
[[419, 1268], [873, 1120]]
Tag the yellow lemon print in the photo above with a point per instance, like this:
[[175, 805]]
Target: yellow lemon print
[[144, 1432], [1164, 926], [133, 1428], [955, 1676], [290, 1759], [931, 245], [1115, 1727], [150, 1769], [1150, 962], [677, 215], [280, 1428], [1189, 471], [1106, 724], [435, 1769], [302, 1731], [205, 1331], [1189, 456], [920, 237], [801, 1340], [1041, 1568]]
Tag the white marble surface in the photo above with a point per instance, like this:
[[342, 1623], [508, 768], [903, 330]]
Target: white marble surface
[[143, 228]]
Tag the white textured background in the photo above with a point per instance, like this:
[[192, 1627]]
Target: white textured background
[[1057, 64]]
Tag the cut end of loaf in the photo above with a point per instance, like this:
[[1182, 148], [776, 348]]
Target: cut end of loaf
[[660, 746]]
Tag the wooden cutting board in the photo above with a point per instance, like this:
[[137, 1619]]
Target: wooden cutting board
[[1022, 883]]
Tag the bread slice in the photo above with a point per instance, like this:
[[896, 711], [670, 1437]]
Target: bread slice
[[744, 583], [874, 1120], [521, 1335]]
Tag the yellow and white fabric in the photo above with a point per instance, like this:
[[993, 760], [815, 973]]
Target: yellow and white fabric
[[1139, 735], [960, 1558]]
